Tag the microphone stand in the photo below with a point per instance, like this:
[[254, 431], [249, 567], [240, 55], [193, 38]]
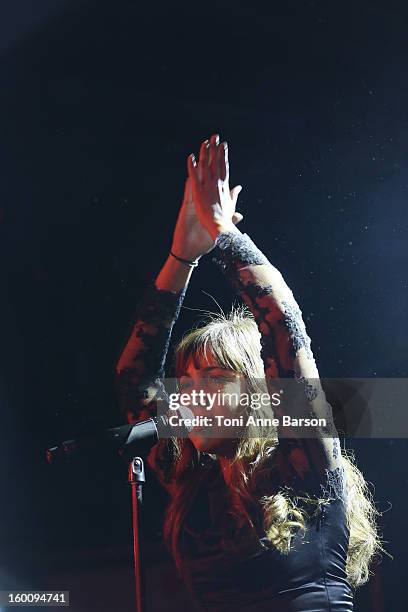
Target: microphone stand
[[136, 480], [140, 436]]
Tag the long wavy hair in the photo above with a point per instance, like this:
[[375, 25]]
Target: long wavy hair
[[234, 342]]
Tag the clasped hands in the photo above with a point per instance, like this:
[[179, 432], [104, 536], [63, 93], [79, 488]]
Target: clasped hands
[[208, 206]]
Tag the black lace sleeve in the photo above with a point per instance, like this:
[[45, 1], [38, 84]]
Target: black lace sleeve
[[286, 352], [140, 368]]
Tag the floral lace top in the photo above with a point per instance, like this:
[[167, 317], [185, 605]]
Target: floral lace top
[[311, 465]]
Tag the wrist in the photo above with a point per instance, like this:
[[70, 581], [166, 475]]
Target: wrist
[[192, 263], [222, 227], [174, 275], [185, 253]]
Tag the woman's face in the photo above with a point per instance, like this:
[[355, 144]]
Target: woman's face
[[214, 393]]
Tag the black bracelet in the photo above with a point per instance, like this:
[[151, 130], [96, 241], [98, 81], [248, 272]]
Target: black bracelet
[[192, 264]]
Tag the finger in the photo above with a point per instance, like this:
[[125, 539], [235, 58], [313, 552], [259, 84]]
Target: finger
[[237, 217], [204, 152], [223, 162], [203, 160], [192, 167], [213, 152], [235, 193]]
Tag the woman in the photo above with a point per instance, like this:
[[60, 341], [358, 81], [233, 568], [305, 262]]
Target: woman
[[261, 520]]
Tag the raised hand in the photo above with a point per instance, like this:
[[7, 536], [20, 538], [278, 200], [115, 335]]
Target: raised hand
[[214, 202], [191, 239]]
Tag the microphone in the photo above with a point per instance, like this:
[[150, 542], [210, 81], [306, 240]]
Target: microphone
[[128, 440]]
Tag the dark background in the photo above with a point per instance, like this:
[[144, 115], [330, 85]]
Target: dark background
[[100, 105]]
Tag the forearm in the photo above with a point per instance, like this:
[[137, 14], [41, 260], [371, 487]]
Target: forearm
[[170, 283], [286, 347], [174, 276], [140, 367], [264, 290]]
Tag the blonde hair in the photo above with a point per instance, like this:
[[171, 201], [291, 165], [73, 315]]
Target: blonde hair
[[234, 342]]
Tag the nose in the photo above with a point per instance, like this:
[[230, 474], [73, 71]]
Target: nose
[[199, 398]]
